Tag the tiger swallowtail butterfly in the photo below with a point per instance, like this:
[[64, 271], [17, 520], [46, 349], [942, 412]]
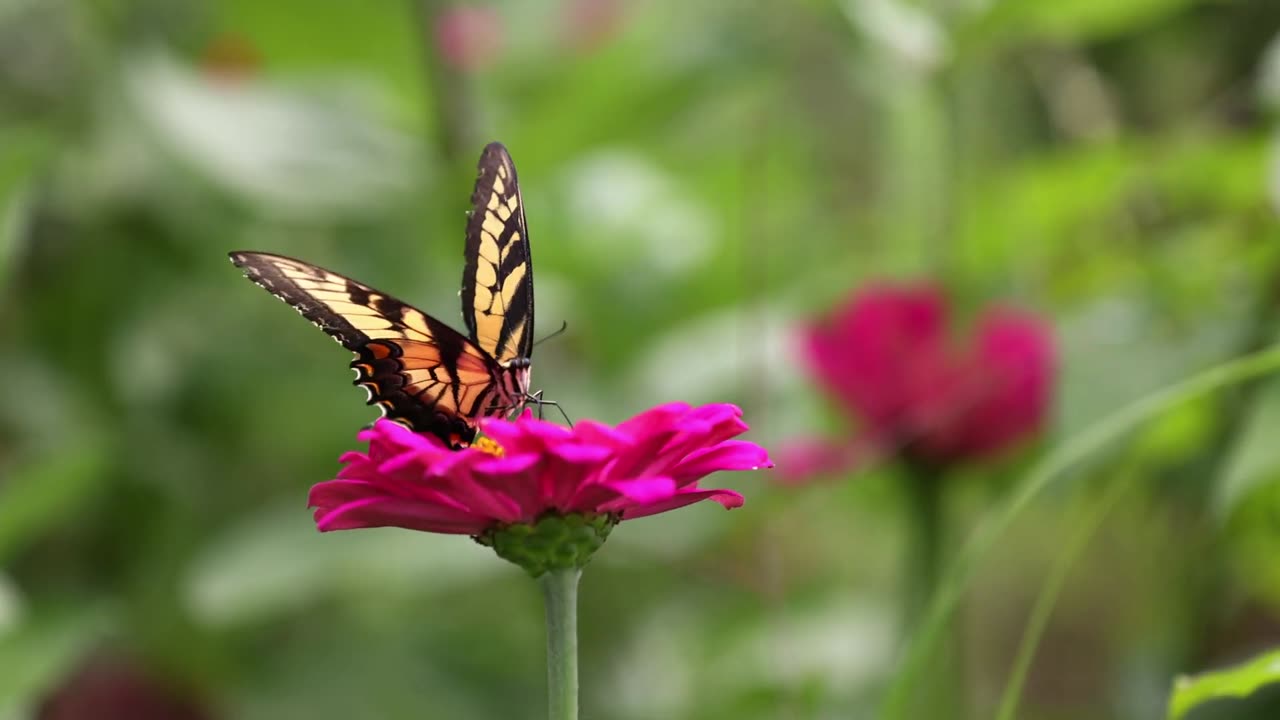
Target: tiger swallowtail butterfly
[[419, 371]]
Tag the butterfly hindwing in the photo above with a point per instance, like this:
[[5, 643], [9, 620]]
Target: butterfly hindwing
[[497, 284], [418, 370]]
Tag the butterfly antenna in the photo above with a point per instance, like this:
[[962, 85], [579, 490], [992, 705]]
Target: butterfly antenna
[[536, 399], [563, 326]]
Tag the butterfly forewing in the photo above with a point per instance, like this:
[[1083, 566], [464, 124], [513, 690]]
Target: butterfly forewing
[[418, 370], [497, 284]]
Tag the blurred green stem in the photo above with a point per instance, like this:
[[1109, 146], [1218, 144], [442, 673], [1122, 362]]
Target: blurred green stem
[[447, 92], [560, 590], [914, 167], [900, 699], [924, 514], [1089, 518], [1202, 572], [924, 562]]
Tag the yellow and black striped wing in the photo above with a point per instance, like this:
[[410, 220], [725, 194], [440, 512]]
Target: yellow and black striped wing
[[417, 370], [497, 284]]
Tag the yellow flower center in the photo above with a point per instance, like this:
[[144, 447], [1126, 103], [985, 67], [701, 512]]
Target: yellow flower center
[[484, 444]]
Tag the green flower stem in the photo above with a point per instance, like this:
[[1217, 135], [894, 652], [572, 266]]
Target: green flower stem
[[560, 590], [924, 546], [923, 484], [448, 91], [904, 688]]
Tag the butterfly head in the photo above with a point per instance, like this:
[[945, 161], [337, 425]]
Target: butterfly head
[[514, 389]]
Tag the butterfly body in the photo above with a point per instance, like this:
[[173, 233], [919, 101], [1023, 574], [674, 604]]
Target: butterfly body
[[419, 371]]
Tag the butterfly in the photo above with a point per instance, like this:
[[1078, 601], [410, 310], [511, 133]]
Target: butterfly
[[419, 371]]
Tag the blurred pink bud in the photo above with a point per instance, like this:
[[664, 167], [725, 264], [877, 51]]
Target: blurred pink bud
[[230, 58], [888, 358], [469, 38], [115, 687], [588, 24]]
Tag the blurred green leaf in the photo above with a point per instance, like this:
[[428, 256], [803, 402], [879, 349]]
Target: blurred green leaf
[[907, 31], [1087, 520], [23, 150], [1273, 174], [1066, 20], [1114, 353], [42, 492], [1252, 529], [1041, 203], [1255, 455], [297, 150], [1218, 173], [13, 211], [382, 41], [42, 649], [899, 699], [1094, 203], [275, 561], [1189, 691]]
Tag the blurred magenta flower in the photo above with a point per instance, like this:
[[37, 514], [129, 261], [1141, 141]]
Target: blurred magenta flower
[[646, 465], [589, 24], [887, 356], [468, 38], [230, 58], [114, 687]]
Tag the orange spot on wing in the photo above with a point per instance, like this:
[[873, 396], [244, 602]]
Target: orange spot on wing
[[468, 363]]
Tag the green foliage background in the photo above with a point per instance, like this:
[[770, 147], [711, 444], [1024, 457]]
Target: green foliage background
[[699, 178]]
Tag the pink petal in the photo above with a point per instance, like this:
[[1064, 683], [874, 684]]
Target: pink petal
[[516, 483], [559, 479], [656, 419], [1006, 392], [357, 465], [507, 464], [611, 496], [728, 455], [351, 456], [335, 492], [485, 495], [728, 498], [395, 512], [639, 492], [718, 421], [527, 434], [805, 460], [599, 434], [580, 453], [644, 454], [865, 353]]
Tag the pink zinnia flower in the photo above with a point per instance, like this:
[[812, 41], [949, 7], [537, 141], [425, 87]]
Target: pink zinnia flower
[[888, 357], [649, 464]]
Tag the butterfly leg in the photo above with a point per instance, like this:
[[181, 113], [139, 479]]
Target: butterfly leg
[[536, 399]]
